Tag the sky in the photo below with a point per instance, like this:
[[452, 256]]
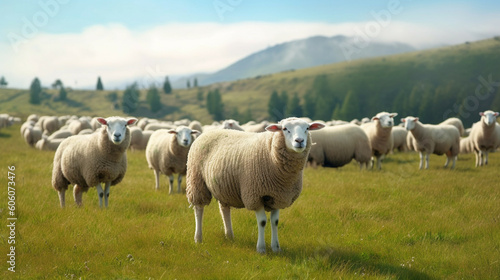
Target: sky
[[144, 41]]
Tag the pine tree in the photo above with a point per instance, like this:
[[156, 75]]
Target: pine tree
[[153, 99], [274, 106], [195, 82], [130, 100], [35, 91], [350, 107], [99, 84], [62, 94], [188, 84], [215, 106], [3, 82], [309, 105], [199, 95], [167, 89], [294, 109], [57, 84]]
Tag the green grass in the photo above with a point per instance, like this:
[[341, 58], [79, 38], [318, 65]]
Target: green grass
[[399, 223]]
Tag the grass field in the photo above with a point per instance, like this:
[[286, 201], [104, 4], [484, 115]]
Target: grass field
[[399, 223]]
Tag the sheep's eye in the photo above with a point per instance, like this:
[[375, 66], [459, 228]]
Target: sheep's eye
[[284, 129]]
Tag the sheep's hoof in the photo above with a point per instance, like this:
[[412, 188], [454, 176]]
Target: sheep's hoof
[[261, 250], [277, 250]]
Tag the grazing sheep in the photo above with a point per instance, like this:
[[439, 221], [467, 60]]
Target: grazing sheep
[[456, 122], [196, 125], [47, 144], [232, 124], [50, 125], [258, 171], [75, 126], [60, 134], [485, 136], [139, 139], [167, 152], [437, 139], [32, 135], [379, 131], [25, 126], [336, 146], [399, 135], [33, 118], [89, 160], [466, 146]]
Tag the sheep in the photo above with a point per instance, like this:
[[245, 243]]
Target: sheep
[[466, 146], [158, 125], [399, 135], [86, 131], [75, 126], [50, 125], [196, 125], [95, 124], [379, 131], [259, 127], [89, 160], [485, 136], [166, 153], [60, 134], [232, 124], [4, 120], [336, 146], [437, 139], [259, 171], [139, 139], [25, 126], [48, 144], [32, 117], [32, 135], [457, 123]]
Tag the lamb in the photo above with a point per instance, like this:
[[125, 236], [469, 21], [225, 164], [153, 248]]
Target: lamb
[[232, 124], [48, 144], [139, 139], [457, 123], [437, 139], [89, 160], [167, 152], [336, 146], [399, 135], [258, 171], [485, 136], [379, 132]]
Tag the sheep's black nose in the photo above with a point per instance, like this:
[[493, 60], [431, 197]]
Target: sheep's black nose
[[186, 142], [117, 135], [299, 140]]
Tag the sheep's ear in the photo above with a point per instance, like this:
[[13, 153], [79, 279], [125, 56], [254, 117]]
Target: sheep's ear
[[416, 119], [195, 132], [496, 114], [481, 114], [375, 118], [172, 131], [403, 120], [316, 126], [102, 121], [393, 115], [273, 127], [131, 121]]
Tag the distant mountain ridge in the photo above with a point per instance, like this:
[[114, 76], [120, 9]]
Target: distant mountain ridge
[[309, 52]]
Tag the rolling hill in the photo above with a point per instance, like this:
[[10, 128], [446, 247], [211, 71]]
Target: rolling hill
[[433, 84]]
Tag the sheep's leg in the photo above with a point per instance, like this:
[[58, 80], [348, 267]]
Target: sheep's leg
[[372, 162], [157, 180], [62, 197], [179, 181], [485, 157], [261, 224], [454, 161], [275, 244], [477, 158], [100, 193], [225, 212], [171, 184], [427, 160], [421, 154], [379, 162], [106, 194], [77, 194], [447, 161], [198, 216]]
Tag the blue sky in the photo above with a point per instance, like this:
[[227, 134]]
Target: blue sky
[[123, 40]]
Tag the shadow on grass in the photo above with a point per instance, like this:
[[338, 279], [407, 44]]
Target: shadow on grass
[[4, 135]]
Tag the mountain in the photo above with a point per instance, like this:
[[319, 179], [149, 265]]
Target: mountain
[[298, 54]]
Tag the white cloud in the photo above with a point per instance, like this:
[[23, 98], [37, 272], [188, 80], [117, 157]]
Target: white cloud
[[119, 54]]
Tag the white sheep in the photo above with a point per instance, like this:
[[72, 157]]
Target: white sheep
[[48, 144], [158, 125], [89, 160], [50, 125], [196, 125], [466, 146], [139, 139], [436, 139], [32, 135], [259, 171], [485, 136], [399, 135], [231, 124], [255, 127], [336, 146], [60, 134], [75, 126], [166, 153], [379, 131], [456, 122]]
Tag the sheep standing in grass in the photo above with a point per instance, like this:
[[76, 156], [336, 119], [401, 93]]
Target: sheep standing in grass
[[379, 132], [167, 152], [399, 135], [436, 139], [456, 122], [258, 171], [336, 146], [485, 136], [139, 139], [89, 160], [47, 144]]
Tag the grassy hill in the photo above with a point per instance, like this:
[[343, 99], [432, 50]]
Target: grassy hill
[[432, 84]]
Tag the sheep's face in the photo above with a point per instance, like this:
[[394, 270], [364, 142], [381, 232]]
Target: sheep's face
[[230, 124], [386, 119], [295, 132], [409, 122], [184, 135], [489, 117], [116, 128]]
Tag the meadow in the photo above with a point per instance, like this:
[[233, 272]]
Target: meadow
[[398, 223]]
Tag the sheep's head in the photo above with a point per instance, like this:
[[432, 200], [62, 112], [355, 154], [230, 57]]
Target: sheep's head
[[489, 117], [116, 128], [409, 122], [183, 134], [385, 119], [295, 131], [230, 124]]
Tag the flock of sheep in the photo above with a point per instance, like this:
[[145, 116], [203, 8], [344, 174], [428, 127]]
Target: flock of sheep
[[257, 166]]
